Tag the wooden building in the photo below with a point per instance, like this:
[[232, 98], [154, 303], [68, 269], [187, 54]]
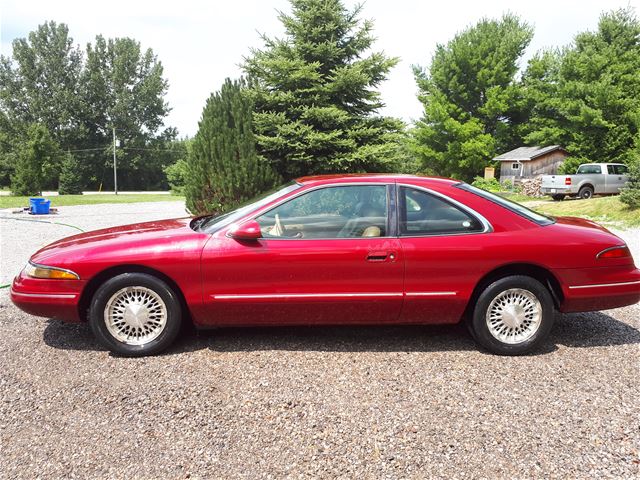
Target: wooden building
[[530, 162]]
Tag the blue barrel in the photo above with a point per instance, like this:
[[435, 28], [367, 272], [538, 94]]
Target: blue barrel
[[39, 206]]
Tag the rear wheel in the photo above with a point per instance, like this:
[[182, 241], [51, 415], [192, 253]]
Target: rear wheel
[[585, 193], [135, 314], [557, 198], [513, 315]]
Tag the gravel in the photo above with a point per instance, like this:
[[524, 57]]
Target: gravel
[[362, 402]]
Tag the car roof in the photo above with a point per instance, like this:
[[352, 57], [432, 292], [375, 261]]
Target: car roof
[[372, 177]]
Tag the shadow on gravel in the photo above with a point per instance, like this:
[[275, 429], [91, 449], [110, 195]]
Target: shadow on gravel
[[595, 329]]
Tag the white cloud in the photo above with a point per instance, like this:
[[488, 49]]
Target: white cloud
[[202, 42]]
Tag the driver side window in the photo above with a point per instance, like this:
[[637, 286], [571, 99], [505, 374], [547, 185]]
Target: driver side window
[[331, 212]]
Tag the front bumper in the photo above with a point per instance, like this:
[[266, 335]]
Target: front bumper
[[47, 298], [600, 288]]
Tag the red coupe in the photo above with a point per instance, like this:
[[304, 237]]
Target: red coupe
[[361, 249]]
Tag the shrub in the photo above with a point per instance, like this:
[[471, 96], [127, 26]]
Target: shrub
[[177, 175], [71, 178], [630, 194], [491, 184], [571, 164], [38, 159]]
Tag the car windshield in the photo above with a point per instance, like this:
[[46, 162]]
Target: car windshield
[[213, 223], [509, 205]]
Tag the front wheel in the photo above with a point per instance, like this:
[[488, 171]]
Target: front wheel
[[513, 315], [135, 314]]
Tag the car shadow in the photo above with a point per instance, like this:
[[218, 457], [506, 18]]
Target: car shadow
[[596, 329]]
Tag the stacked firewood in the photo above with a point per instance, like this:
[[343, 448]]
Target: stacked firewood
[[531, 187]]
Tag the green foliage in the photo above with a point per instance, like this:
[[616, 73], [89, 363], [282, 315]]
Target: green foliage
[[37, 160], [630, 194], [223, 168], [587, 97], [473, 106], [177, 175], [80, 98], [571, 164], [492, 184], [315, 95], [71, 177]]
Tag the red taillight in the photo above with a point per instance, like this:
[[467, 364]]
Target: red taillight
[[567, 180], [615, 252]]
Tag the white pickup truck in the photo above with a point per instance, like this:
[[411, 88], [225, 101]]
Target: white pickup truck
[[590, 179]]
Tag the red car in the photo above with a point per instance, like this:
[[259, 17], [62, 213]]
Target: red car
[[361, 249]]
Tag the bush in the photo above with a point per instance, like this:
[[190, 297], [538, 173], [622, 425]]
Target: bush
[[571, 164], [630, 194], [177, 175], [492, 184], [71, 178]]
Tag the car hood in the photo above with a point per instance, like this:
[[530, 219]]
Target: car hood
[[130, 237]]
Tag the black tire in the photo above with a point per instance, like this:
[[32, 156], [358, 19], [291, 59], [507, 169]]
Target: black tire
[[163, 295], [516, 283], [557, 198], [585, 193]]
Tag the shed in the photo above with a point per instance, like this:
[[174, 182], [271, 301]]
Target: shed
[[529, 162]]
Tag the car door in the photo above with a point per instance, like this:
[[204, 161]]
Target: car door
[[326, 256], [616, 178], [441, 241]]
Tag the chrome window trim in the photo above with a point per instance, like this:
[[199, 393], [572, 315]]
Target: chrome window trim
[[318, 187], [487, 227]]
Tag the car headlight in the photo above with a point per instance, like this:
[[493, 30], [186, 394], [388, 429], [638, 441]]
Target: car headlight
[[42, 271]]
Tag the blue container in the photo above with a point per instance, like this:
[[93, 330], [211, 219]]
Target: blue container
[[39, 206]]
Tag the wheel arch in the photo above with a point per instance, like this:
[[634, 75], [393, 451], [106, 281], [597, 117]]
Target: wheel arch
[[98, 279], [586, 184], [542, 274]]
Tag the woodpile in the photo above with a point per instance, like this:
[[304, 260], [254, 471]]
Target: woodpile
[[531, 187]]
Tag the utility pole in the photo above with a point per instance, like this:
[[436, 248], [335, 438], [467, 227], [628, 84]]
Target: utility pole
[[115, 165]]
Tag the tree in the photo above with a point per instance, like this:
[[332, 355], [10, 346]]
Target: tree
[[123, 87], [38, 159], [224, 169], [40, 83], [630, 194], [71, 176], [315, 94], [587, 97], [473, 106]]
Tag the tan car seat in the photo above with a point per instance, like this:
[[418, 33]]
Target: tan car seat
[[371, 231]]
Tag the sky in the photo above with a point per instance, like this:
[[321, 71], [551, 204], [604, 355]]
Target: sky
[[200, 43]]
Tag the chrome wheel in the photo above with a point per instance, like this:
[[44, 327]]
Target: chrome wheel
[[514, 316], [135, 315]]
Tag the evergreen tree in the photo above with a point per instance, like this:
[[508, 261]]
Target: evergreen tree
[[38, 159], [587, 96], [315, 94], [630, 194], [223, 168], [71, 176], [473, 107]]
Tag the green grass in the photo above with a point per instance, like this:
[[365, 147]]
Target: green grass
[[518, 197], [602, 209], [66, 200]]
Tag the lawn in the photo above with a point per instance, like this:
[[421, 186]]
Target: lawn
[[65, 200], [602, 209]]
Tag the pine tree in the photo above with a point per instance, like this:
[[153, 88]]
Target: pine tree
[[38, 159], [223, 168], [630, 194], [473, 107], [71, 176], [315, 94]]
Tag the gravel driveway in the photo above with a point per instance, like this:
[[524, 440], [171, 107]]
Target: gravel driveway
[[324, 402]]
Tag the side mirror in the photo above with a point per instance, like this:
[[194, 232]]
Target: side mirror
[[245, 231]]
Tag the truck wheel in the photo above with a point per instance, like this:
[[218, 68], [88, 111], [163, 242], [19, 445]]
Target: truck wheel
[[557, 198], [585, 193]]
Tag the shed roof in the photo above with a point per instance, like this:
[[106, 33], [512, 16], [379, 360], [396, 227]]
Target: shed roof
[[524, 154]]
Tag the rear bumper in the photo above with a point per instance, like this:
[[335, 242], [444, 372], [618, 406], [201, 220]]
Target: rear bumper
[[556, 190], [47, 298], [600, 288]]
